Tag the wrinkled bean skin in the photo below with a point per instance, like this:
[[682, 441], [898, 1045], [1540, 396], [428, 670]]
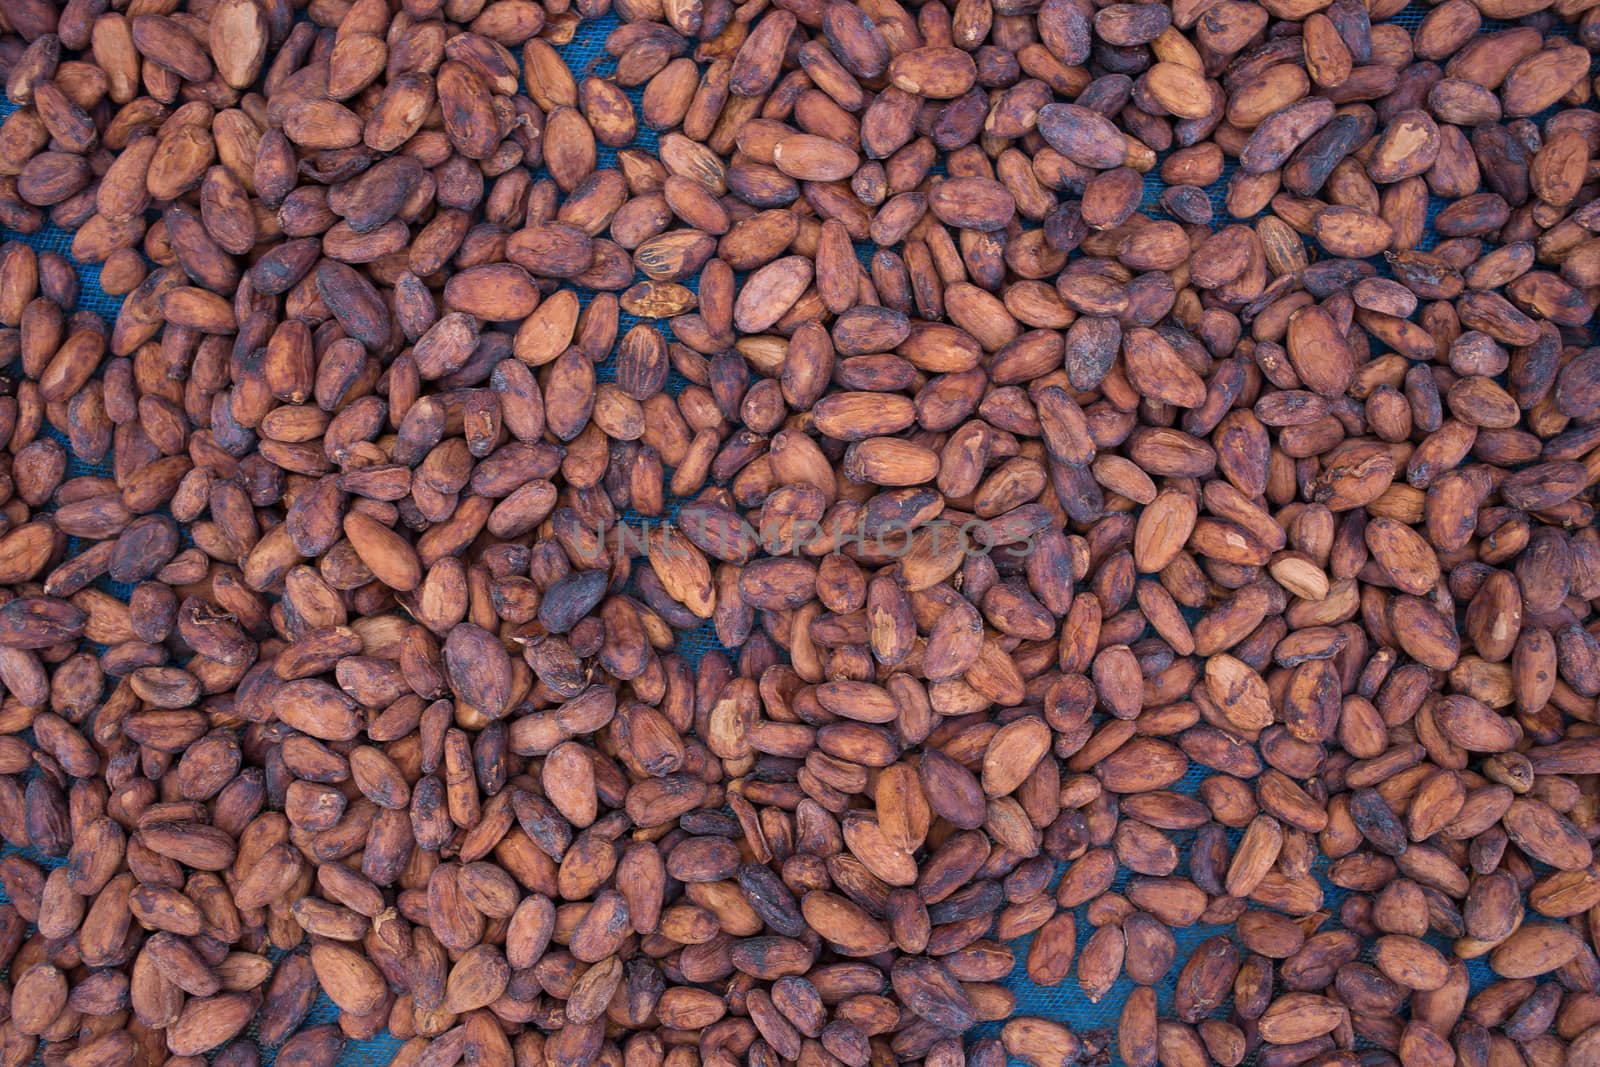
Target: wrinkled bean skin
[[1009, 496]]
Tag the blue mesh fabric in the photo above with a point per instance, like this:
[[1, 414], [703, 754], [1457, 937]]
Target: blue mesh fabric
[[586, 55]]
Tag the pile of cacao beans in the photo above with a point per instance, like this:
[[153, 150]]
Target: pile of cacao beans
[[451, 387]]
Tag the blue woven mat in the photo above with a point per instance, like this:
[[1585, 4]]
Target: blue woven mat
[[585, 54]]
